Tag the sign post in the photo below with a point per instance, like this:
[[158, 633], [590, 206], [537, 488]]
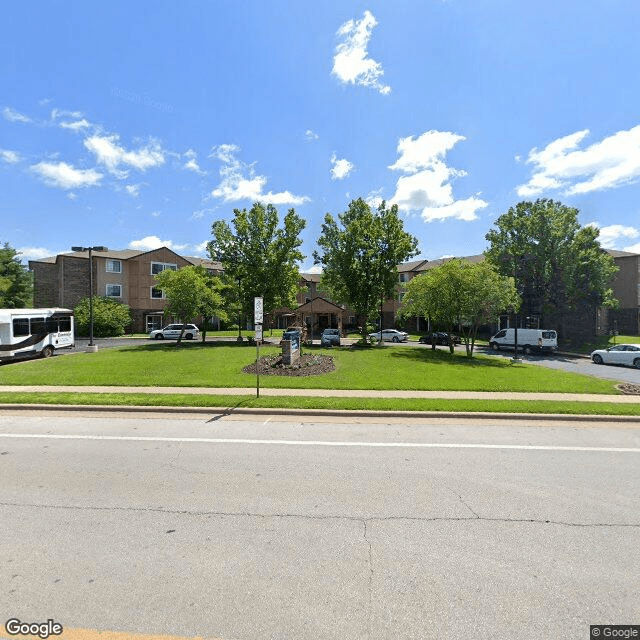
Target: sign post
[[257, 319]]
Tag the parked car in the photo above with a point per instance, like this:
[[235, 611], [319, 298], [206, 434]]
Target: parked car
[[173, 331], [390, 335], [628, 354], [441, 337], [330, 338]]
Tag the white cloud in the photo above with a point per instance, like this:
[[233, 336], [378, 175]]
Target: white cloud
[[153, 242], [351, 63], [35, 253], [634, 248], [239, 181], [201, 213], [14, 116], [427, 187], [310, 136], [133, 189], [374, 198], [65, 113], [613, 236], [10, 157], [340, 168], [65, 176], [109, 153], [76, 125], [314, 268], [202, 248], [562, 165], [192, 162]]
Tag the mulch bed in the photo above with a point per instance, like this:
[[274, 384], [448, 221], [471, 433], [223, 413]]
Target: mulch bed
[[308, 364], [629, 388]]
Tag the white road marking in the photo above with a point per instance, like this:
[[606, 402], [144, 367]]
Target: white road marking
[[320, 443]]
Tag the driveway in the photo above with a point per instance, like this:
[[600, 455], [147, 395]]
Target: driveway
[[573, 363]]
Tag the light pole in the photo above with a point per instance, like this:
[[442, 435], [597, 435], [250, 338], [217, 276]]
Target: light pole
[[90, 250]]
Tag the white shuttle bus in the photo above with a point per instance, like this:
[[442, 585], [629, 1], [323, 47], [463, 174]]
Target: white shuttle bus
[[31, 332]]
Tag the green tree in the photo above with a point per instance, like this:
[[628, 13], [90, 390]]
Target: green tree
[[259, 257], [110, 317], [558, 265], [460, 294], [359, 255], [191, 292], [16, 288]]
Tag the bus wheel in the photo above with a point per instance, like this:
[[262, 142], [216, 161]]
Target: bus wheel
[[47, 352], [527, 349]]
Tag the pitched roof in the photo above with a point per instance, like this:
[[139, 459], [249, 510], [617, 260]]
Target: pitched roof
[[204, 262]]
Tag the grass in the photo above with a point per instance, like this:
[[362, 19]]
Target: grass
[[351, 404], [603, 342], [220, 365]]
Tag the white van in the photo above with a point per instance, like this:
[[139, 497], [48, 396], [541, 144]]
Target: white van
[[30, 332], [528, 340]]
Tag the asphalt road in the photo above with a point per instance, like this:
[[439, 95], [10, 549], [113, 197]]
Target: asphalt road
[[284, 529]]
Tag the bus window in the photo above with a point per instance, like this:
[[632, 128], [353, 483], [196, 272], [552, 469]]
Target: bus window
[[20, 327], [38, 326], [65, 323]]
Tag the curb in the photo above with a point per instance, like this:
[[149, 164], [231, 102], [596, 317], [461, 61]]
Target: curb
[[319, 412]]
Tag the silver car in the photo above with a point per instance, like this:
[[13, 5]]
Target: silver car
[[173, 331], [628, 354], [390, 335]]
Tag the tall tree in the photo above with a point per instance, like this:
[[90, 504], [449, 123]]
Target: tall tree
[[558, 265], [359, 254], [190, 293], [460, 294], [259, 257], [16, 290]]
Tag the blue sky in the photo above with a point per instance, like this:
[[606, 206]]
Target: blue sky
[[135, 125]]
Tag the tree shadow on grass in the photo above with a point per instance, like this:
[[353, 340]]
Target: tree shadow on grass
[[171, 346], [443, 357]]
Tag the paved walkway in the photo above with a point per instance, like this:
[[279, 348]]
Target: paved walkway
[[335, 393]]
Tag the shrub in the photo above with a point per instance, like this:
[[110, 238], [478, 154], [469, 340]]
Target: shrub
[[110, 317]]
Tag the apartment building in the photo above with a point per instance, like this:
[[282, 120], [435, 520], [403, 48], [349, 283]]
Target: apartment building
[[128, 276]]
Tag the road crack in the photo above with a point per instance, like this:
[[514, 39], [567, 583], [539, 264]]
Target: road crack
[[339, 517]]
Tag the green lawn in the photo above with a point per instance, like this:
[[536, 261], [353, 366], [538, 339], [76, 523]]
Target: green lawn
[[230, 402], [606, 341], [220, 365]]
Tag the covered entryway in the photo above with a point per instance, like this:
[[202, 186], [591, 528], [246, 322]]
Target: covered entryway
[[319, 314]]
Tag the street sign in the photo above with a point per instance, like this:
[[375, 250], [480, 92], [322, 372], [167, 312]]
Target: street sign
[[257, 310], [258, 335]]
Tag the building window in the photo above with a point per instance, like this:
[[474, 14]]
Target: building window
[[158, 267], [114, 266], [352, 320], [401, 295], [157, 294], [403, 277], [113, 291]]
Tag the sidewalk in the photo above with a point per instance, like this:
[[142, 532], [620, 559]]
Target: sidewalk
[[336, 393]]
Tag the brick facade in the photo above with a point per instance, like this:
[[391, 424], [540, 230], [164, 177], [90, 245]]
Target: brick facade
[[62, 280]]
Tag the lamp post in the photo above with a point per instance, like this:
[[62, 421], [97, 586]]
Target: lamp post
[[92, 347]]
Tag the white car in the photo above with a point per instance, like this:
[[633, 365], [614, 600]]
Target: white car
[[628, 354], [173, 331], [390, 335]]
